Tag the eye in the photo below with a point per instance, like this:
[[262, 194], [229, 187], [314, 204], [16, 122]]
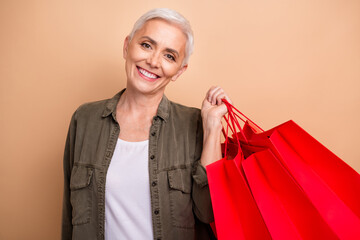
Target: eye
[[145, 45], [169, 56]]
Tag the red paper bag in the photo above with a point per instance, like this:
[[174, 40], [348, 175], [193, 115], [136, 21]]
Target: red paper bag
[[330, 184], [302, 190], [286, 210], [235, 211]]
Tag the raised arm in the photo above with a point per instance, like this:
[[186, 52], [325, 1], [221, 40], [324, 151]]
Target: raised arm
[[212, 111]]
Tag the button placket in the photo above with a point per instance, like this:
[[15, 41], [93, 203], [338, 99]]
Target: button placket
[[153, 166], [101, 188]]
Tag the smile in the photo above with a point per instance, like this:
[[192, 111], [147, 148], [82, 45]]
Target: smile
[[147, 74]]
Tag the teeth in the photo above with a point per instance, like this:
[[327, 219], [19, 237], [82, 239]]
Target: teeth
[[147, 74]]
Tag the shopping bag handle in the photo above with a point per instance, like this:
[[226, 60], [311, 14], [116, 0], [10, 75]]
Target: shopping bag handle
[[226, 135], [234, 123], [230, 120], [231, 109]]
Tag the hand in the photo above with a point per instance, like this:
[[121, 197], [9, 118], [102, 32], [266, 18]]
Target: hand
[[213, 109]]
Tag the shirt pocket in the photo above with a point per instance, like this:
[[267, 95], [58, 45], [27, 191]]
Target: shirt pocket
[[180, 185], [81, 195]]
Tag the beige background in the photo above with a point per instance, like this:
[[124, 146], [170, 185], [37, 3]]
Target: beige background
[[278, 60]]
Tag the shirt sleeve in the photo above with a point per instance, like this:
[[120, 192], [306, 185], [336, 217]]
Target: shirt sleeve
[[66, 227], [201, 194]]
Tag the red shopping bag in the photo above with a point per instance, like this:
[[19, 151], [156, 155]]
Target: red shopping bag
[[236, 214], [301, 189], [286, 210], [331, 186]]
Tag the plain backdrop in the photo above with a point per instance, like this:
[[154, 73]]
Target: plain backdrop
[[277, 59]]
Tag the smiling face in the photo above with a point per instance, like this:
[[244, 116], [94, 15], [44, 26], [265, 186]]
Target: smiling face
[[154, 56]]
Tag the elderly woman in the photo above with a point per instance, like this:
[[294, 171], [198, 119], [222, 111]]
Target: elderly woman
[[134, 165]]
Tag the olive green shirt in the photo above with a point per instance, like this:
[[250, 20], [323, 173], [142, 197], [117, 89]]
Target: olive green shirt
[[178, 182]]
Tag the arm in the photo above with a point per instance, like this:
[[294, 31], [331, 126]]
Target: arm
[[212, 112], [209, 148], [66, 227]]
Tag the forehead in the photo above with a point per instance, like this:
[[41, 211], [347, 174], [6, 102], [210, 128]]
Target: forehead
[[165, 34]]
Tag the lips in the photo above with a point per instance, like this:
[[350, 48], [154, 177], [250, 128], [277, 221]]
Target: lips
[[146, 74]]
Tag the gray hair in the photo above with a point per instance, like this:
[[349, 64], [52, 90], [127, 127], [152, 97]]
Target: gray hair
[[171, 16]]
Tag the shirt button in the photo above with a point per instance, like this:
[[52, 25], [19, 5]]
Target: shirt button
[[154, 184], [152, 157], [156, 212], [153, 133]]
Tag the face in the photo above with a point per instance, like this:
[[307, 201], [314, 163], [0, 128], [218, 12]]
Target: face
[[154, 56]]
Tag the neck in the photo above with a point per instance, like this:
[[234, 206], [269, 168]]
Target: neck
[[135, 103]]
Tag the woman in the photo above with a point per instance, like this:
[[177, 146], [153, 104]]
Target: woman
[[146, 151]]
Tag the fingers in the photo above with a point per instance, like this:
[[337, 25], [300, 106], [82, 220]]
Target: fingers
[[215, 95]]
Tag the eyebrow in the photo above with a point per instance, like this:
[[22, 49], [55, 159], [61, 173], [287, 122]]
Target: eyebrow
[[152, 41]]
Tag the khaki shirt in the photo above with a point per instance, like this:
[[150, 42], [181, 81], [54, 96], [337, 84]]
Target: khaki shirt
[[178, 183]]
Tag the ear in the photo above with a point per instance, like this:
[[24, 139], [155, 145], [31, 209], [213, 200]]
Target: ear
[[181, 70], [126, 45]]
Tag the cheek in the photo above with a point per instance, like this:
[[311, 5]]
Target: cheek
[[137, 55], [170, 69]]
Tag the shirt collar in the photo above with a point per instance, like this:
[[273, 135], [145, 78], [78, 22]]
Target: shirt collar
[[110, 106]]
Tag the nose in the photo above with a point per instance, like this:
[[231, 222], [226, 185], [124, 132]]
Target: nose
[[153, 60]]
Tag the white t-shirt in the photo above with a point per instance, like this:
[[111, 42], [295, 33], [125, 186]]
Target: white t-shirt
[[127, 193]]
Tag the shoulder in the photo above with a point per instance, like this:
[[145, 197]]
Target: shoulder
[[91, 110], [92, 106], [100, 108], [184, 113]]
